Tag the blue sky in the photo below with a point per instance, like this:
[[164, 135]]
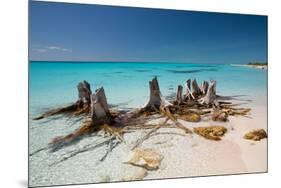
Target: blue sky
[[77, 32]]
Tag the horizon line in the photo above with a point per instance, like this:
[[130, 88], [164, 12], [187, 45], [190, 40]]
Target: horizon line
[[94, 61]]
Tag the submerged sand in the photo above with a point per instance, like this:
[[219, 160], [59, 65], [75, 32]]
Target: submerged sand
[[183, 155]]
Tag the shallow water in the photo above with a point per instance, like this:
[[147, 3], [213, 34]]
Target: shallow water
[[54, 84]]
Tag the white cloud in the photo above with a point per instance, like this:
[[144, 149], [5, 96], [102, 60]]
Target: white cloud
[[51, 48], [58, 48]]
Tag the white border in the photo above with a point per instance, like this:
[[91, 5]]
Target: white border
[[13, 83]]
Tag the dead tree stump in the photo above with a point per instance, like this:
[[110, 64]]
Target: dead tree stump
[[84, 100], [204, 87], [179, 99], [81, 106], [155, 100], [195, 88], [188, 93], [210, 97], [84, 93], [99, 108]]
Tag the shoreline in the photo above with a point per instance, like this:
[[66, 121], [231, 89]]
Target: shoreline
[[263, 67]]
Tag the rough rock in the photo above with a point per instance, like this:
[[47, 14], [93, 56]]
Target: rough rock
[[211, 132], [146, 158], [256, 135]]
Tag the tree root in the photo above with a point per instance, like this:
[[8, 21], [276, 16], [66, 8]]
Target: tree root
[[140, 141], [64, 110], [82, 150], [167, 113]]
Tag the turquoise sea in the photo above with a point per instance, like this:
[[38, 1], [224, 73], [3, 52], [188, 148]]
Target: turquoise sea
[[54, 84]]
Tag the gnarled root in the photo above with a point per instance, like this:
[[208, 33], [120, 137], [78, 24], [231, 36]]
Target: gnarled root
[[81, 106]]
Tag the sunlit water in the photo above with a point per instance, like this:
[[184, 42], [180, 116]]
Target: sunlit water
[[126, 84], [53, 84]]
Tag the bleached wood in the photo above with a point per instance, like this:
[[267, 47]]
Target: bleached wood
[[188, 94], [84, 92], [179, 99], [210, 97], [204, 87], [195, 88], [155, 100], [99, 107]]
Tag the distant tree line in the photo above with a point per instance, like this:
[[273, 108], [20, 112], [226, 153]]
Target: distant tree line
[[257, 63]]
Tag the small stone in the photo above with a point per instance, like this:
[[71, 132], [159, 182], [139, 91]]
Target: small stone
[[256, 135], [146, 158]]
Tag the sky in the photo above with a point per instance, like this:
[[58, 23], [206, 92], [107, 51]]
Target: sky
[[80, 32]]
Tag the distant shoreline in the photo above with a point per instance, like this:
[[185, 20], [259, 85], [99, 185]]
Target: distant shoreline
[[148, 62], [264, 67]]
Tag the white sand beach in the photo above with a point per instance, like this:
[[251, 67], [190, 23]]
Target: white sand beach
[[184, 155]]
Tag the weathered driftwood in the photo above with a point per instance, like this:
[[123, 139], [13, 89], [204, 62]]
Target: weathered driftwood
[[158, 104], [67, 109], [179, 99], [156, 99], [82, 105], [116, 123], [195, 88], [167, 113], [188, 94], [210, 97], [204, 87], [84, 92], [147, 135], [99, 108], [101, 119]]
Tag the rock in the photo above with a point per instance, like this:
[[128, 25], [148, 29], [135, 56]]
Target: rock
[[219, 116], [136, 174], [146, 158], [256, 135], [192, 117], [211, 132]]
